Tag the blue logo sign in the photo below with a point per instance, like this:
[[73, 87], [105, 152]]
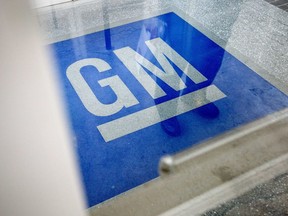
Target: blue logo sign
[[150, 88]]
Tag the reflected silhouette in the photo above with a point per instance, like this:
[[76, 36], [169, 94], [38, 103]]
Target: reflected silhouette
[[154, 28], [158, 28]]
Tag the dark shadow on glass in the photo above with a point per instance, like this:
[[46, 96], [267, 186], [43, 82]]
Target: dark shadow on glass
[[158, 28]]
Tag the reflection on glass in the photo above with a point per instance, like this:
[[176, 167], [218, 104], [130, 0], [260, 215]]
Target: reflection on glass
[[152, 87]]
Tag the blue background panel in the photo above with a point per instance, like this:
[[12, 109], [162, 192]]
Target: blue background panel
[[109, 169]]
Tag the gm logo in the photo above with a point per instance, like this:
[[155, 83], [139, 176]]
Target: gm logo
[[125, 98], [158, 75]]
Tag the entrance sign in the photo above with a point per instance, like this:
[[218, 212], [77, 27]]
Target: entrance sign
[[160, 88], [125, 98]]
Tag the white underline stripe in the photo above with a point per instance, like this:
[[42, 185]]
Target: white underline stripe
[[155, 114]]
